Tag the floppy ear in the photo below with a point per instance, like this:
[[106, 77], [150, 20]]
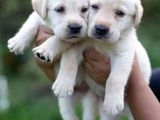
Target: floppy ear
[[40, 6], [139, 12]]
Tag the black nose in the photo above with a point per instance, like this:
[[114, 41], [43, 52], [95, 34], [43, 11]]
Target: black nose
[[75, 28], [101, 30]]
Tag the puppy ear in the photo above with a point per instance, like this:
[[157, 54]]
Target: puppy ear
[[40, 6], [139, 13]]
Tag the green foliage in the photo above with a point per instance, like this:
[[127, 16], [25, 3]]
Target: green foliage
[[12, 14], [29, 102], [150, 38]]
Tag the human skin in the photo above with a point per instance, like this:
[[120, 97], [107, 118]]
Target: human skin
[[141, 100]]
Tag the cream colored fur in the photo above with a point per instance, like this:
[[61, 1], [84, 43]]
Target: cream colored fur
[[45, 14]]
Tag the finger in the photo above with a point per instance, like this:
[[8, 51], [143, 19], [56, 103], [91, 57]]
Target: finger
[[90, 53], [43, 34], [43, 28], [42, 38], [93, 55], [98, 76], [100, 67]]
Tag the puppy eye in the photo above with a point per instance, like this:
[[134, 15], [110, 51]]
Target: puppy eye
[[60, 9], [120, 13], [95, 6], [84, 10]]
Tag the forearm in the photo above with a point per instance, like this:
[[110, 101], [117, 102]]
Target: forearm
[[142, 102]]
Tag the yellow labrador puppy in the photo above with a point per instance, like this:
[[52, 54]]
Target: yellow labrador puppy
[[68, 20], [113, 24]]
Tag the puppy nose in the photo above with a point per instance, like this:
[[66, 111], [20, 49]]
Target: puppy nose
[[101, 30], [75, 28]]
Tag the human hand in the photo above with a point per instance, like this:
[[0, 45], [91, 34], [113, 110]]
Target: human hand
[[96, 65]]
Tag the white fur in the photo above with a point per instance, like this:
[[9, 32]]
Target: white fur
[[45, 15], [90, 106], [66, 106], [120, 46], [58, 22], [24, 37], [46, 49]]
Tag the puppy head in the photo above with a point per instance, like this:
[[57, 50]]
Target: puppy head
[[110, 19], [67, 18]]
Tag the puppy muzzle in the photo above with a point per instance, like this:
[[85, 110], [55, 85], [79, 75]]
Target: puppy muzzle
[[100, 32], [74, 29]]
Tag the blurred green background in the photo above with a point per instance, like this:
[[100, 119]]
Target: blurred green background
[[30, 91]]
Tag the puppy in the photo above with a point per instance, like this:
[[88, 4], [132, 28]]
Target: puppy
[[68, 20], [112, 23], [112, 31]]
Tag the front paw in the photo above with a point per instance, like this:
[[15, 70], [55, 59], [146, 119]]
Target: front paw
[[62, 88], [42, 53], [113, 104], [16, 45]]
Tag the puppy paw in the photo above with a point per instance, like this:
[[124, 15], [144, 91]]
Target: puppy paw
[[16, 45], [62, 88], [113, 104], [42, 53]]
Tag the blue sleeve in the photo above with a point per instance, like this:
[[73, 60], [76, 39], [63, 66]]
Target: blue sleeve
[[155, 83]]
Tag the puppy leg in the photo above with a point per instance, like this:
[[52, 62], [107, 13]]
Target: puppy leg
[[51, 48], [27, 32], [66, 106], [127, 112], [89, 106], [103, 115], [114, 94], [66, 79]]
